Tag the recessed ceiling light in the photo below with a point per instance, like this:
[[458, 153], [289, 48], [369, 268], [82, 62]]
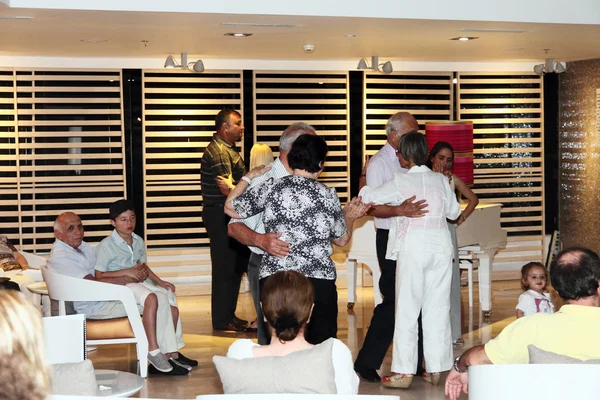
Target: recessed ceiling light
[[15, 17], [94, 40], [238, 34], [464, 38], [350, 35]]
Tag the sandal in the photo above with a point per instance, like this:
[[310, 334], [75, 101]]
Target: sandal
[[399, 381], [432, 377]]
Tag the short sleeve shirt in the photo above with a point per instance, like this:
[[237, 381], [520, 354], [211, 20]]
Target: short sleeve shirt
[[308, 215], [114, 254], [220, 159], [77, 263], [572, 331]]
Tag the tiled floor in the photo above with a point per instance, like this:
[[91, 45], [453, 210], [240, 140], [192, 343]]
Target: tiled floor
[[202, 344]]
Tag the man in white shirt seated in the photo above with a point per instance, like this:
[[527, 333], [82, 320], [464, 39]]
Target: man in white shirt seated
[[72, 256]]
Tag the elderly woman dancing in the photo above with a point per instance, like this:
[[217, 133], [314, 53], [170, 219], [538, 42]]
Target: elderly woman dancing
[[423, 252], [309, 217]]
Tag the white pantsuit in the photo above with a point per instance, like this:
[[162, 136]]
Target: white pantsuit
[[423, 250]]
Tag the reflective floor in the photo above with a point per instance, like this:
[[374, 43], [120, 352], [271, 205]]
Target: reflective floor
[[202, 344]]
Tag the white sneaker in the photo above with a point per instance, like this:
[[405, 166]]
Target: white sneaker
[[159, 362], [182, 365]]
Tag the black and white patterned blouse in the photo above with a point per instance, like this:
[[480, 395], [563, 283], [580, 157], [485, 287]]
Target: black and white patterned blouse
[[307, 213]]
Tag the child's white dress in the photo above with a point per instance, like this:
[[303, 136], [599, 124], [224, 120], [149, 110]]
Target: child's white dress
[[532, 302]]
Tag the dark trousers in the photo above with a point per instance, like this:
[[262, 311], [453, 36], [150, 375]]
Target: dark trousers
[[323, 320], [253, 271], [229, 261], [381, 331]]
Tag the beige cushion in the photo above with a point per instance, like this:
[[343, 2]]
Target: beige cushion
[[76, 379], [539, 356], [306, 371]]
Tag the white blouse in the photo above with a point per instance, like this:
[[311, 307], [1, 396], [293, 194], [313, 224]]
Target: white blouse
[[346, 380], [424, 234]]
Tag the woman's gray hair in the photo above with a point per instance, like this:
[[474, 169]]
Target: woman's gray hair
[[288, 137], [413, 146]]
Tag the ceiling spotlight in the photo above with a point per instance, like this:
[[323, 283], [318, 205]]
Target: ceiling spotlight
[[171, 63], [464, 38], [236, 34], [194, 66], [549, 66], [386, 67]]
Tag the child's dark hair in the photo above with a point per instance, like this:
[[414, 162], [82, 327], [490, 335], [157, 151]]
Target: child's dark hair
[[525, 271]]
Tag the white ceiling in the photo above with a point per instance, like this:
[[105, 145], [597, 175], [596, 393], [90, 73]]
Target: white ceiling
[[59, 33]]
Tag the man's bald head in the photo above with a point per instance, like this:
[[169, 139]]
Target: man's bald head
[[575, 274], [69, 229], [401, 123]]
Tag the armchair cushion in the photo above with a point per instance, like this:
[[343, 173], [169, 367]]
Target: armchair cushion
[[539, 356], [115, 328], [76, 379], [294, 373]]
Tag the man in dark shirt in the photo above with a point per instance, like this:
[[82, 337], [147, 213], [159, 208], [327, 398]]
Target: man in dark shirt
[[228, 257]]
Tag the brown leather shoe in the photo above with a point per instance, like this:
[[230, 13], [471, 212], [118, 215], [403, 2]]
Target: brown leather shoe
[[229, 327]]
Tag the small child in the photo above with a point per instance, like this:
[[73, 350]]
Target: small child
[[534, 299]]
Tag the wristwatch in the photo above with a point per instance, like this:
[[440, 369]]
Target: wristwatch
[[457, 367]]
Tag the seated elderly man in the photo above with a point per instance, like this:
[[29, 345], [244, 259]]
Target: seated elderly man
[[573, 331], [72, 256]]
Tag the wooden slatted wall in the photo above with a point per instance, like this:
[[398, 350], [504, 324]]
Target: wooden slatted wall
[[68, 151], [179, 121], [426, 95], [320, 99], [9, 188], [507, 112]]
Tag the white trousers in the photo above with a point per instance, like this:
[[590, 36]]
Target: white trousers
[[422, 285], [169, 337]]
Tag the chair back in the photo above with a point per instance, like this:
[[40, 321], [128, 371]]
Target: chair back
[[34, 261], [534, 381]]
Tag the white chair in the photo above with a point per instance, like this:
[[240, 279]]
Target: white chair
[[127, 330], [534, 381], [289, 396]]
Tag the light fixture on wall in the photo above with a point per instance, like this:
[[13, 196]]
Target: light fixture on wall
[[194, 66], [385, 67], [550, 66]]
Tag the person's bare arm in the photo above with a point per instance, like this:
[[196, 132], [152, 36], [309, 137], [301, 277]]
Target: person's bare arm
[[353, 210], [114, 280], [122, 277], [409, 208], [268, 242], [20, 258], [469, 195], [459, 381], [520, 314], [156, 279]]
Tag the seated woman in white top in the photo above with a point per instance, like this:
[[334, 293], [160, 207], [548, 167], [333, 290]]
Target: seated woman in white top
[[287, 302]]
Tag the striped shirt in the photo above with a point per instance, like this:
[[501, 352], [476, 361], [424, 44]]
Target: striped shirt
[[220, 159], [255, 222]]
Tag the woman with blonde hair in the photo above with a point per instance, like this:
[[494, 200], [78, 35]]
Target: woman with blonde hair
[[260, 154], [23, 370]]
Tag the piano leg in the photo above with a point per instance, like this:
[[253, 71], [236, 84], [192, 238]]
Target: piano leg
[[485, 279], [351, 275]]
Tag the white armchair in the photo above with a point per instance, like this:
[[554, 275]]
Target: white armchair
[[290, 396], [120, 330]]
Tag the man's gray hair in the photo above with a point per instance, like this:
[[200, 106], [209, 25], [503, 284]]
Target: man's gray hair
[[57, 225], [292, 132], [400, 123]]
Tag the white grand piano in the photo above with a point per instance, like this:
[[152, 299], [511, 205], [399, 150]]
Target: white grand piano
[[481, 232]]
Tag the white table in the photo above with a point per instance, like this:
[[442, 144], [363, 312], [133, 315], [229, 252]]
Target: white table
[[119, 383]]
